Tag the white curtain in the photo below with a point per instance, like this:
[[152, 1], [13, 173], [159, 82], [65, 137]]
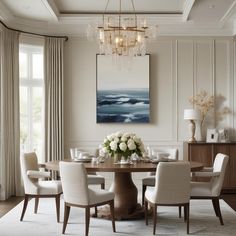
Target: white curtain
[[54, 127], [9, 118]]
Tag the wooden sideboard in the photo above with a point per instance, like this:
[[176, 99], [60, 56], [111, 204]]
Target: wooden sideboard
[[205, 153]]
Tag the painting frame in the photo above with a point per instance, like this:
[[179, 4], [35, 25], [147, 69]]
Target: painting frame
[[122, 92]]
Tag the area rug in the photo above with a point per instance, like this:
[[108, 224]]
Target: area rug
[[202, 222]]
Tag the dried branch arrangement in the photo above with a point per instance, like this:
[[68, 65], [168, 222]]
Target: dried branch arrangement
[[204, 102]]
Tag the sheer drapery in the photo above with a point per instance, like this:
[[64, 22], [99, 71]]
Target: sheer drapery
[[9, 118], [54, 127]]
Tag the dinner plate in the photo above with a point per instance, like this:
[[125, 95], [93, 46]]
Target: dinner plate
[[124, 163], [83, 159], [161, 160]]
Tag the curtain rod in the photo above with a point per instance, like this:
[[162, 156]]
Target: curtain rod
[[26, 32]]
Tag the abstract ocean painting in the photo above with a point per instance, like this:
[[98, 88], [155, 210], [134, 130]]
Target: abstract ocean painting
[[123, 94]]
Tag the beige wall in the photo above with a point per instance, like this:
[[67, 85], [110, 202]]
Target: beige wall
[[180, 68]]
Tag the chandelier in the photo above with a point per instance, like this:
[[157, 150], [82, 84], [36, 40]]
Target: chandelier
[[120, 34]]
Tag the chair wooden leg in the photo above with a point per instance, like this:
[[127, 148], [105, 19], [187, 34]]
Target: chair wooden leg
[[154, 218], [180, 211], [185, 213], [87, 219], [146, 211], [24, 207], [96, 211], [112, 215], [36, 204], [187, 216], [143, 193], [66, 217], [217, 204], [57, 199]]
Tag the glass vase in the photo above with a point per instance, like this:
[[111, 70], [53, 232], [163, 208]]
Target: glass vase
[[117, 158]]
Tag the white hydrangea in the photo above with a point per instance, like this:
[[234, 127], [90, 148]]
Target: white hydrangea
[[113, 146], [116, 139], [123, 142], [131, 145], [136, 139], [105, 140], [127, 135], [123, 146], [142, 148], [118, 134]]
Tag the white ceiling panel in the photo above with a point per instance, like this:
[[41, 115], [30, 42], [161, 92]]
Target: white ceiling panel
[[71, 17], [29, 9], [209, 11], [160, 6]]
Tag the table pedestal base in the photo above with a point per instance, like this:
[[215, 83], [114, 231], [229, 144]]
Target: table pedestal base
[[126, 193]]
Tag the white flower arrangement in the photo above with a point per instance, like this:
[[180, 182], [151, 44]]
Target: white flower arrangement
[[124, 144]]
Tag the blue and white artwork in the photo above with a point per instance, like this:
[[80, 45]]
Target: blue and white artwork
[[123, 93]]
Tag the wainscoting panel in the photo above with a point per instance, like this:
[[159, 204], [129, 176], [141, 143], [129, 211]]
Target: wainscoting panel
[[185, 85], [223, 78], [203, 66]]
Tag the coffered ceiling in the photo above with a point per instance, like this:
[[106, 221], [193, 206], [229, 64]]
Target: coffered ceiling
[[71, 17]]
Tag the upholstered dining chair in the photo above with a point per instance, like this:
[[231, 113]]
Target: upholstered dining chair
[[172, 188], [93, 177], [78, 194], [36, 188], [211, 189], [149, 180]]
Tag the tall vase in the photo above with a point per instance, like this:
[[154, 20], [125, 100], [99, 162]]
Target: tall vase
[[199, 132]]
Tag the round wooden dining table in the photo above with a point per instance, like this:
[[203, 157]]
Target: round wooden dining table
[[126, 193]]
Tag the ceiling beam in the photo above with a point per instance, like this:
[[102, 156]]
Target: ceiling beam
[[229, 13], [186, 9], [52, 8]]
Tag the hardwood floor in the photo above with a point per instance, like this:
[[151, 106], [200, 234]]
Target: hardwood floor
[[6, 206]]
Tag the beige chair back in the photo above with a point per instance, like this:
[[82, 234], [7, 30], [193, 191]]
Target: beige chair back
[[220, 165], [172, 183], [172, 152], [91, 151], [29, 161], [74, 183]]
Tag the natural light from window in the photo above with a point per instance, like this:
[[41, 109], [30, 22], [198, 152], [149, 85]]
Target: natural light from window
[[31, 99]]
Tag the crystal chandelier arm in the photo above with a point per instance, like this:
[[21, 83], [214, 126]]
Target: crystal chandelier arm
[[121, 34]]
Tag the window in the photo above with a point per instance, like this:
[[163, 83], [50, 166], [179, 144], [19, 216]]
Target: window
[[31, 99]]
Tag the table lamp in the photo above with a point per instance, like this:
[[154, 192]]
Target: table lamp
[[191, 115]]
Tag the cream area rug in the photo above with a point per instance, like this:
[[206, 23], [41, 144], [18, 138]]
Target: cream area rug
[[202, 222]]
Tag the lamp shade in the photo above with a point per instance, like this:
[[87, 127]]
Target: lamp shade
[[192, 114]]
